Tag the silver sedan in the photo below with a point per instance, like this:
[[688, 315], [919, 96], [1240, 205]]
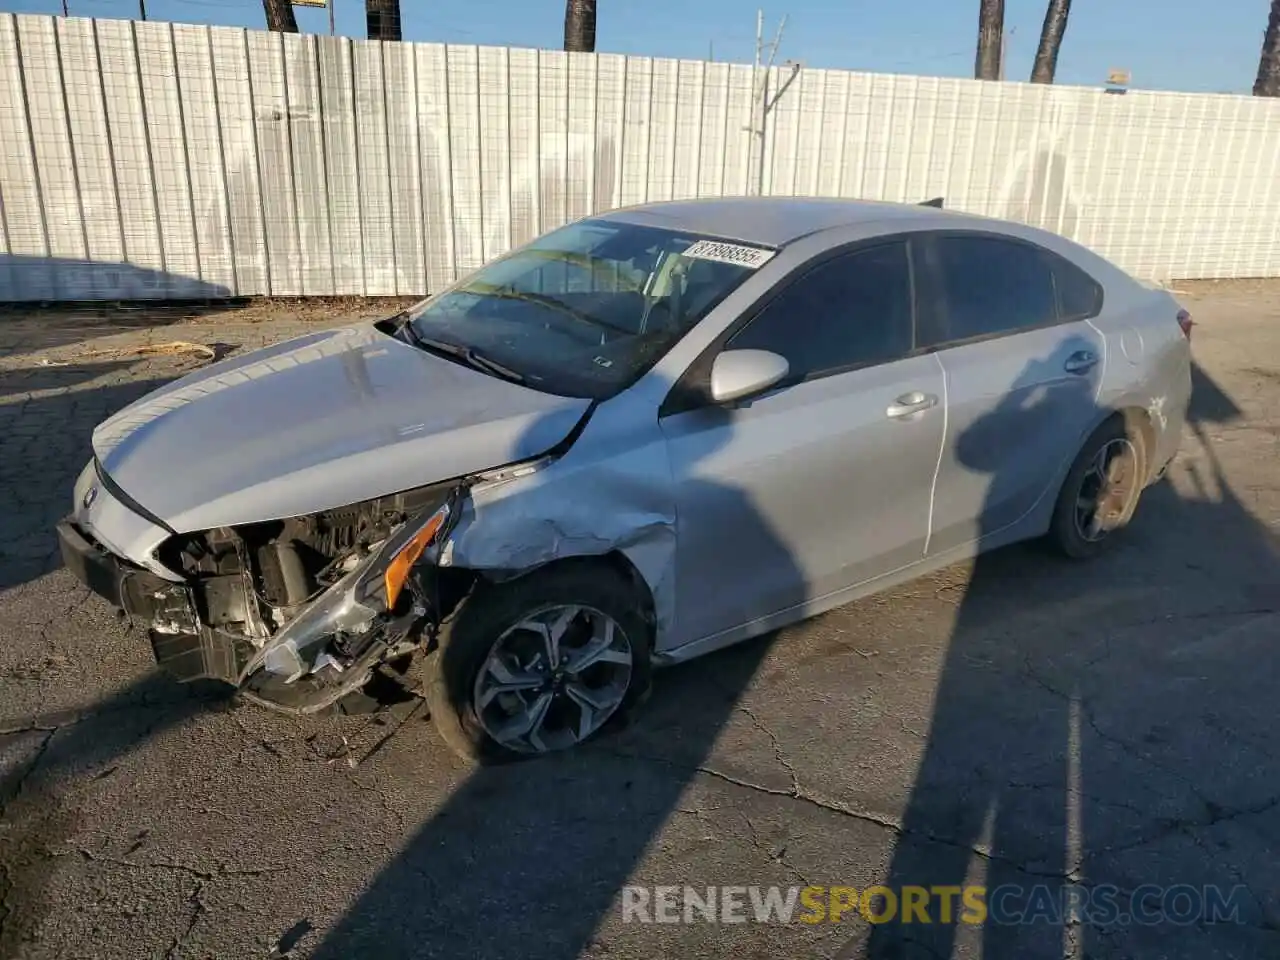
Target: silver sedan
[[642, 437]]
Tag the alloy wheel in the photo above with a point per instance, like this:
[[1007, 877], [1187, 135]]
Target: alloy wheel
[[1107, 490], [553, 679]]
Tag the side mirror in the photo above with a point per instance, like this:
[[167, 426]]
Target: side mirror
[[741, 373]]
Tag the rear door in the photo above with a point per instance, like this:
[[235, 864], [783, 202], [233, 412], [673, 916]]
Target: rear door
[[1023, 365], [823, 481]]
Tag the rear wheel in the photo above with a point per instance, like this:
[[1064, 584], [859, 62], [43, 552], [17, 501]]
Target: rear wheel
[[538, 664], [1101, 491]]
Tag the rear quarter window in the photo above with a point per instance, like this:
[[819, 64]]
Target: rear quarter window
[[1079, 295]]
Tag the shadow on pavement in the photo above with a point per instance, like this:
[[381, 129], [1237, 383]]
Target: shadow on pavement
[[62, 298], [44, 443], [38, 280], [532, 857], [1043, 761], [66, 752]]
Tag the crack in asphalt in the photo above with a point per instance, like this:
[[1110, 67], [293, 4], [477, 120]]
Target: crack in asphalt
[[61, 719], [7, 796], [776, 853], [222, 871], [777, 748], [1214, 813], [833, 806], [1270, 919], [50, 725], [199, 909], [1086, 710], [20, 781]]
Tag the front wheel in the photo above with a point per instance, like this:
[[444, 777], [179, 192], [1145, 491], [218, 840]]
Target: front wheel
[[1100, 493], [539, 664]]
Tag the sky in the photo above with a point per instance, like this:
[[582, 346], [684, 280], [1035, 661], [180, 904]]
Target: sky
[[1193, 45]]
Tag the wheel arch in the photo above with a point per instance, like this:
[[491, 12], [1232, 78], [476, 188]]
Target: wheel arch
[[616, 561], [1137, 423]]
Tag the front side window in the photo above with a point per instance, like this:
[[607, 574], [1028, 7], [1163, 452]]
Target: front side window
[[585, 310], [851, 310], [994, 286]]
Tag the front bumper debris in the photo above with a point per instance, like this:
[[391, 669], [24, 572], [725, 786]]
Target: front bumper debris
[[181, 644], [138, 592], [191, 625]]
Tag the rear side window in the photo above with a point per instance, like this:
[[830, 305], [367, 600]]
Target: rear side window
[[1079, 295], [851, 310], [994, 286]]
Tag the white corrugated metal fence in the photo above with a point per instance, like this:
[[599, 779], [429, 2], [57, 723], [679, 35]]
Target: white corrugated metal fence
[[158, 160]]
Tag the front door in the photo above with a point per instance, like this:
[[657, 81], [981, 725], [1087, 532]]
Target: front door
[[824, 481]]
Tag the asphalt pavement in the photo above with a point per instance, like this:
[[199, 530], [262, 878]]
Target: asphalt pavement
[[1019, 723]]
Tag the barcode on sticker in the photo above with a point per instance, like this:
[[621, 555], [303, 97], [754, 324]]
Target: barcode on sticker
[[751, 257]]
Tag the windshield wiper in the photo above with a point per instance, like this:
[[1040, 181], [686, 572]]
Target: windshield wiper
[[493, 366], [468, 355]]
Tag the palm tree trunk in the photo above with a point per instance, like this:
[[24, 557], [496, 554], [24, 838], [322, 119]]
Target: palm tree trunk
[[990, 35], [580, 25], [1055, 25], [280, 16], [1268, 82], [382, 19]]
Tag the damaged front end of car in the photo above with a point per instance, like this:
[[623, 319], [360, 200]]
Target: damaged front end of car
[[297, 613], [346, 591]]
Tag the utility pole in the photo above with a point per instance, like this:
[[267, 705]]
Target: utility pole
[[762, 104], [755, 67], [142, 9], [64, 9], [331, 27], [755, 97]]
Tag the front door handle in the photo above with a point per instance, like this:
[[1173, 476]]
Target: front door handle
[[1081, 362], [910, 403]]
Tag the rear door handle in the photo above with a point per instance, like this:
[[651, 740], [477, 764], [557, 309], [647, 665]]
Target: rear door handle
[[1081, 362], [910, 403]]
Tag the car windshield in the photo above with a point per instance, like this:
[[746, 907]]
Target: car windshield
[[584, 310]]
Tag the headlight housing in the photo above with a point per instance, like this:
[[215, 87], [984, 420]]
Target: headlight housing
[[368, 592], [383, 583]]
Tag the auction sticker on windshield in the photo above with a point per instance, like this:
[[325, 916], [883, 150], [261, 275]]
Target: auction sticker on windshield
[[752, 257]]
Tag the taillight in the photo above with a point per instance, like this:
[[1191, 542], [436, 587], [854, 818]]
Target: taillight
[[1186, 323]]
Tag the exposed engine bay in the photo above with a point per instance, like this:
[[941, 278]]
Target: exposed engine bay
[[298, 612], [254, 579]]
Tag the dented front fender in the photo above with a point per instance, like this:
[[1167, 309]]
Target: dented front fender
[[594, 500]]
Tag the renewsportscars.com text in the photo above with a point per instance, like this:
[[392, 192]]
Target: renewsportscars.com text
[[1010, 904]]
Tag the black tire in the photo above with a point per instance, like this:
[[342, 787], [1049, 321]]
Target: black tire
[[1065, 534], [465, 641]]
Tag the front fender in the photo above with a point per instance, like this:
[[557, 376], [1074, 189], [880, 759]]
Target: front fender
[[576, 507]]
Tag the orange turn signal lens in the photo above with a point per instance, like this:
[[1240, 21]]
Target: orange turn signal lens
[[398, 569]]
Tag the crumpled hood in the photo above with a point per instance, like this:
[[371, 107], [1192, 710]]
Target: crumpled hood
[[318, 422]]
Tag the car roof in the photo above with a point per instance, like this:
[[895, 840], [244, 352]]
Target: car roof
[[772, 221]]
